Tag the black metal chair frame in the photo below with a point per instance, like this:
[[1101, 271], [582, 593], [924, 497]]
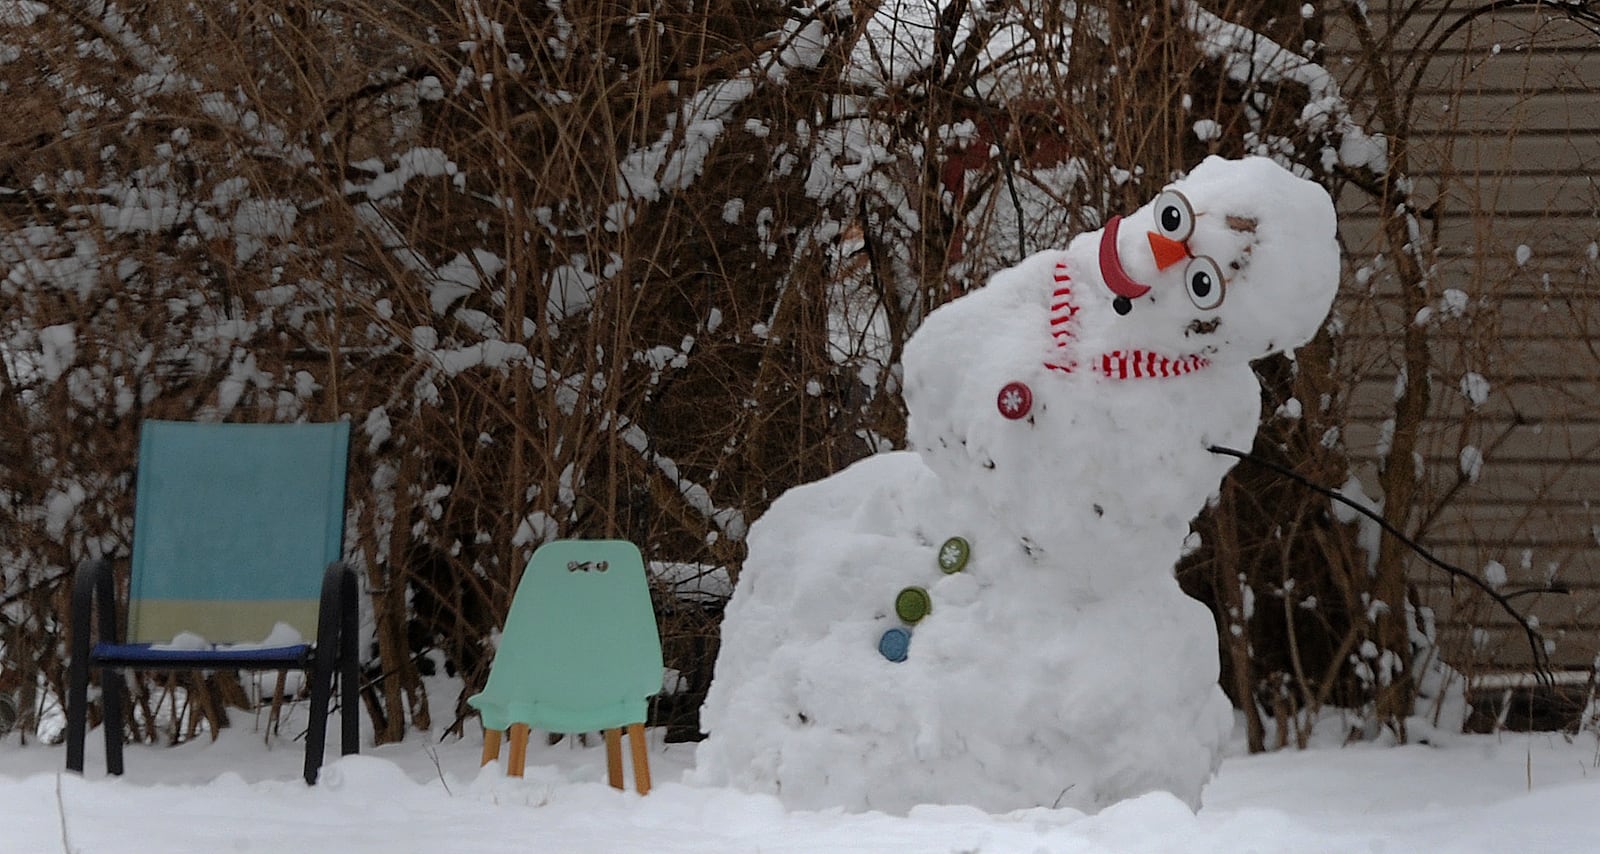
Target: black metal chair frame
[[335, 655]]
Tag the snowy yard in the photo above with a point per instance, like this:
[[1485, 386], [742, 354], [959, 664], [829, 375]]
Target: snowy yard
[[1515, 792], [531, 345]]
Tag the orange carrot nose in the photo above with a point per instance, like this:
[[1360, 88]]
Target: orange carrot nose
[[1166, 251]]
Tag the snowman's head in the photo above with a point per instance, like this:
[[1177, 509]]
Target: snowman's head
[[1236, 261]]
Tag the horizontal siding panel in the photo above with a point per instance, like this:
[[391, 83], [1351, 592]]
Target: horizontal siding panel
[[1526, 566], [1572, 616], [1525, 195], [1498, 194], [1490, 429], [1508, 648], [1373, 324], [1480, 156], [1527, 526], [1549, 404], [1513, 30], [1527, 441], [1498, 491], [1513, 370], [1546, 453], [1568, 487], [1561, 488], [1556, 485], [1532, 357], [1482, 70], [1503, 362], [1578, 610], [1560, 255], [1555, 241], [1546, 288], [1538, 111]]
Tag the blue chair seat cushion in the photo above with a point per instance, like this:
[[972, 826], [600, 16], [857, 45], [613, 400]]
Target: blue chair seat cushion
[[158, 656]]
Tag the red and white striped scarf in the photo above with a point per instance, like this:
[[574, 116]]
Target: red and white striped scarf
[[1117, 364]]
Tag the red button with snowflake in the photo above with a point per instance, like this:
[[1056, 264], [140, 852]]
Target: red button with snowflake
[[1015, 400]]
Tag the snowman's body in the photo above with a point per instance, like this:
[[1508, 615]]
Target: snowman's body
[[1062, 665]]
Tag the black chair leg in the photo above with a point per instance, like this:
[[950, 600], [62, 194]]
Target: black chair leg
[[77, 703], [317, 732], [111, 699], [91, 591], [320, 670], [349, 671]]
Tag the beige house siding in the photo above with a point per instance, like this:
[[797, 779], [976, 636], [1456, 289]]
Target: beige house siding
[[1506, 143]]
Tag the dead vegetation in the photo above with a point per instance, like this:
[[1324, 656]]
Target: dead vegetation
[[633, 269]]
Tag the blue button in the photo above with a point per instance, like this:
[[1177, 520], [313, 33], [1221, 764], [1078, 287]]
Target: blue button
[[895, 644]]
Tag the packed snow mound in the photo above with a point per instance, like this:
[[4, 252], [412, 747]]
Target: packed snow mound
[[991, 618]]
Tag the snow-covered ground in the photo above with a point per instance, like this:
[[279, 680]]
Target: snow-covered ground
[[1508, 793]]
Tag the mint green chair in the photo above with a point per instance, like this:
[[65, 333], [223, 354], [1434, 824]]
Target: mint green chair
[[580, 652], [236, 528]]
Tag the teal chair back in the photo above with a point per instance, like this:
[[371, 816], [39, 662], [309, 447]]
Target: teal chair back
[[580, 651], [233, 527]]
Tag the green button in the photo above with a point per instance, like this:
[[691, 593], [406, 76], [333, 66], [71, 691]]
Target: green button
[[953, 555], [913, 604]]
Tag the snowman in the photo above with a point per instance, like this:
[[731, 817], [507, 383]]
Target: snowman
[[991, 618]]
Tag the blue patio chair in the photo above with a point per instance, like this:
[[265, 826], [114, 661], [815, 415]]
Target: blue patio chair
[[236, 528]]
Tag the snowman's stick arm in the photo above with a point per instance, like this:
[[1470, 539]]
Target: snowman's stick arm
[[1535, 639]]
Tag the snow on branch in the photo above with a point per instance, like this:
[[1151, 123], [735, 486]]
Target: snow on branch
[[730, 521], [677, 157], [1250, 57]]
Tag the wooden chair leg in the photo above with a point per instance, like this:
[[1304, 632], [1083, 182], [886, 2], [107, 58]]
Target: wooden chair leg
[[614, 757], [641, 760], [275, 717], [491, 746], [519, 750]]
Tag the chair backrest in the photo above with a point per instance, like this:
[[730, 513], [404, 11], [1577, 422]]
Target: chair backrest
[[233, 527], [580, 651]]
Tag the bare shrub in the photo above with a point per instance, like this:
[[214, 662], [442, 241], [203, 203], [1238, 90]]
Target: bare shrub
[[614, 269]]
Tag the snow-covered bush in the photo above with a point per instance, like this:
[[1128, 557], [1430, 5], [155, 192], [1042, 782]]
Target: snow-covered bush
[[578, 268]]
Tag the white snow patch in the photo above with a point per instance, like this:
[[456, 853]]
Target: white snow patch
[[58, 348], [1471, 463], [415, 162], [257, 221], [377, 427], [460, 276], [1368, 533], [693, 582], [20, 13], [1475, 388]]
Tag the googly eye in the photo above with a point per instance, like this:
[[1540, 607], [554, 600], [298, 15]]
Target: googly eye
[[1174, 215], [1202, 278]]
